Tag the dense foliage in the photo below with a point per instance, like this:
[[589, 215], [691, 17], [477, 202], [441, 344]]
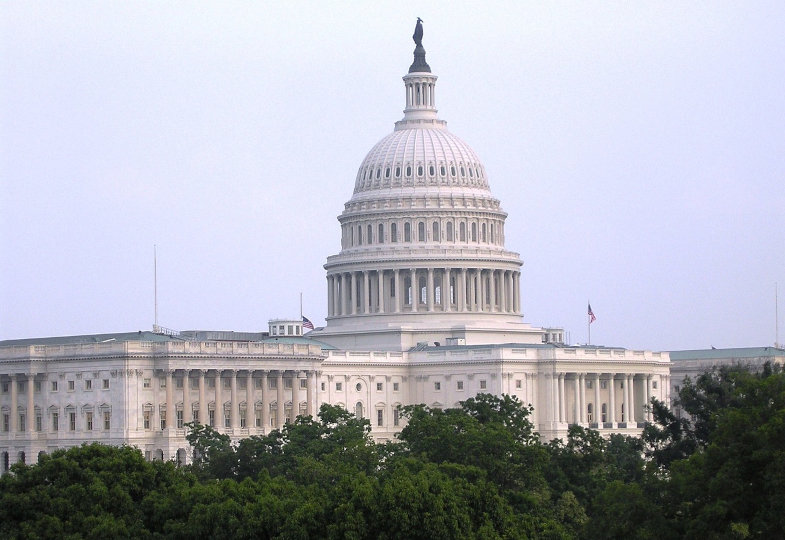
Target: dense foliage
[[479, 471]]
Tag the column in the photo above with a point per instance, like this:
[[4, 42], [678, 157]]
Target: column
[[169, 400], [516, 292], [577, 386], [234, 413], [446, 299], [562, 407], [295, 397], [380, 275], [492, 300], [202, 400], [249, 401], [625, 397], [648, 398], [279, 399], [430, 293], [582, 385], [366, 292], [481, 299], [555, 396], [31, 406], [345, 284], [336, 295], [310, 382], [510, 294], [14, 406], [612, 400], [265, 403], [461, 291], [329, 296], [398, 291], [597, 404], [503, 291], [187, 412], [352, 296], [219, 402], [415, 292], [632, 398]]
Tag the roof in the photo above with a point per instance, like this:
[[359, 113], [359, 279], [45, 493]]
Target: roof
[[429, 347], [141, 335], [733, 353], [299, 340]]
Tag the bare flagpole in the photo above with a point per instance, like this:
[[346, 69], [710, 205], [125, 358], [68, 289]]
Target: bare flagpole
[[155, 287], [301, 305], [588, 320]]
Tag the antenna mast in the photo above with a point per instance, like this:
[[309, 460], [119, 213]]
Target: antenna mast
[[776, 319]]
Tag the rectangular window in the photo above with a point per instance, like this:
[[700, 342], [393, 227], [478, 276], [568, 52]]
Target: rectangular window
[[379, 417], [39, 422], [55, 421], [72, 421], [5, 387], [437, 386], [178, 382], [162, 382], [89, 421], [242, 419], [163, 420], [227, 420], [227, 383], [338, 387], [258, 383], [460, 385], [483, 385], [211, 418], [287, 383], [70, 386], [147, 383], [6, 422], [272, 384], [303, 383], [107, 420], [589, 383], [88, 384], [179, 419], [654, 384], [378, 387], [396, 416], [146, 415], [603, 384], [54, 386], [395, 387], [242, 383], [106, 384], [37, 386], [322, 387], [258, 419], [518, 384], [22, 422]]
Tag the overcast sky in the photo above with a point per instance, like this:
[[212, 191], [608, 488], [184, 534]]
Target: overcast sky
[[638, 147]]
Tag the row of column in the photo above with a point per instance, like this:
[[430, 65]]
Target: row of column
[[234, 415], [461, 290], [627, 397], [30, 402]]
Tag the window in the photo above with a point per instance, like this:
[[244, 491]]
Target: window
[[370, 234], [146, 383], [70, 386], [242, 418], [322, 387], [178, 383], [407, 232], [437, 386], [146, 416], [396, 416], [22, 419], [358, 409], [379, 417], [54, 386], [460, 385], [393, 232], [622, 412], [106, 384], [5, 387], [359, 235], [604, 411], [287, 383], [590, 413], [338, 387], [162, 415], [211, 417], [303, 383], [37, 386], [55, 421], [378, 387], [6, 422], [272, 384], [380, 234], [654, 384], [449, 231], [179, 415], [483, 384], [259, 418], [435, 231], [227, 383], [163, 382], [421, 231], [72, 421], [589, 383], [89, 421], [358, 387], [107, 420], [395, 387], [603, 384], [474, 232], [484, 232], [462, 231], [39, 421]]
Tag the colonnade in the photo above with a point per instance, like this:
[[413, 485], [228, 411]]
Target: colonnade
[[614, 400], [423, 289]]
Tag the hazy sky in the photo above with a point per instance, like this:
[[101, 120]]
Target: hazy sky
[[638, 147]]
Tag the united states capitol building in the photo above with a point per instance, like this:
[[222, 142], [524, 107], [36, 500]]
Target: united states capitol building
[[424, 306]]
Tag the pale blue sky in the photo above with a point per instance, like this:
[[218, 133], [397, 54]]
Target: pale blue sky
[[638, 147]]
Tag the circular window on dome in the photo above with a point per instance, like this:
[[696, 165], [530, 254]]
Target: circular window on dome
[[431, 170], [359, 387], [419, 170], [387, 172]]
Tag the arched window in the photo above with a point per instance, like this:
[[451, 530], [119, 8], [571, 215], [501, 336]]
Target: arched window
[[387, 172], [351, 240], [423, 290], [463, 231], [431, 170], [393, 232], [449, 232], [369, 238], [407, 232], [359, 235], [380, 234], [421, 231], [452, 170], [484, 232], [397, 172], [419, 170], [493, 233], [408, 170], [378, 173], [436, 231], [358, 409], [474, 232], [443, 170]]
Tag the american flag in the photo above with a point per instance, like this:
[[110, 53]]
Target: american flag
[[307, 323], [592, 318]]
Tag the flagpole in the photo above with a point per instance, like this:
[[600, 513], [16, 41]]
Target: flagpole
[[588, 322], [301, 305]]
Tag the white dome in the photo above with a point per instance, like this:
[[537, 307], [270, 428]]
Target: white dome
[[420, 157]]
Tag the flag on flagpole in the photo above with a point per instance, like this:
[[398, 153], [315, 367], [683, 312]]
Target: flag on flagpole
[[592, 318], [307, 323]]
